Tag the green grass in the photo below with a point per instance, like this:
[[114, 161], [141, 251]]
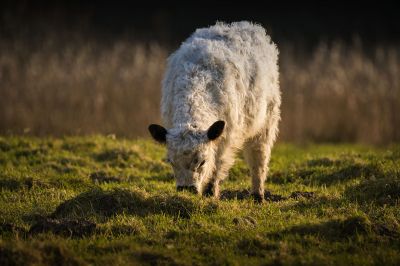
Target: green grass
[[105, 201]]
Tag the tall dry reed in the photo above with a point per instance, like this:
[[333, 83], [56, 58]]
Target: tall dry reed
[[341, 93], [335, 93]]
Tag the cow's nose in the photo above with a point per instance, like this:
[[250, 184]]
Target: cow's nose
[[192, 189]]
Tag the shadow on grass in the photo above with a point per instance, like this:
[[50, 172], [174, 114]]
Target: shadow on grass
[[340, 229], [30, 152], [163, 177], [75, 228], [256, 247], [103, 177], [268, 196], [102, 203], [64, 227], [76, 146], [15, 184], [4, 146], [379, 191], [37, 253], [153, 258], [117, 157], [330, 230], [320, 172], [133, 159], [350, 172], [11, 230]]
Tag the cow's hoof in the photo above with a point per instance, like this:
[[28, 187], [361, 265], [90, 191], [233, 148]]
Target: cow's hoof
[[257, 198], [209, 190]]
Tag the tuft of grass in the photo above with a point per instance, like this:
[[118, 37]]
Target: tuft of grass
[[325, 204], [102, 203]]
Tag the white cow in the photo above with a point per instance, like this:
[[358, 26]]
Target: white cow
[[220, 94]]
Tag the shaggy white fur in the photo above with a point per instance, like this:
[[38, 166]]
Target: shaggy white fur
[[225, 72]]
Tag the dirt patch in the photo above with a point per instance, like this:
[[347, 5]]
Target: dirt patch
[[302, 194], [64, 227], [273, 197], [387, 231], [235, 194], [245, 221], [103, 177]]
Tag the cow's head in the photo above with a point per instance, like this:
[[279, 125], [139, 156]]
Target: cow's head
[[191, 152]]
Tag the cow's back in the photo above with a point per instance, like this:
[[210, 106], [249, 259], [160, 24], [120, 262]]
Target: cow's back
[[227, 71]]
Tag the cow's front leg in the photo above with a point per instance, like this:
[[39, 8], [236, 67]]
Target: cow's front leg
[[212, 188]]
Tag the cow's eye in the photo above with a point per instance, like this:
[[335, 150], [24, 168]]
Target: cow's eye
[[202, 163]]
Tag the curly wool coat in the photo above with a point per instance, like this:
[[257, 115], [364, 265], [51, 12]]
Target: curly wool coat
[[227, 72]]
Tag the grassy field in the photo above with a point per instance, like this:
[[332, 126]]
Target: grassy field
[[105, 201]]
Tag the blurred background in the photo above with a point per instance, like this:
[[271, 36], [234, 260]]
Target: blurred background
[[87, 67]]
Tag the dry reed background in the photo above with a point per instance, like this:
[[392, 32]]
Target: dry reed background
[[334, 93]]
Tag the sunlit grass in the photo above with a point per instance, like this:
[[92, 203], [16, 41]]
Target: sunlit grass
[[99, 200]]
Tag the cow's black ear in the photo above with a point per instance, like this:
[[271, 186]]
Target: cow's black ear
[[158, 133], [216, 130]]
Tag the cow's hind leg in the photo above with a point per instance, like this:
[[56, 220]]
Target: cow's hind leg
[[257, 151]]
